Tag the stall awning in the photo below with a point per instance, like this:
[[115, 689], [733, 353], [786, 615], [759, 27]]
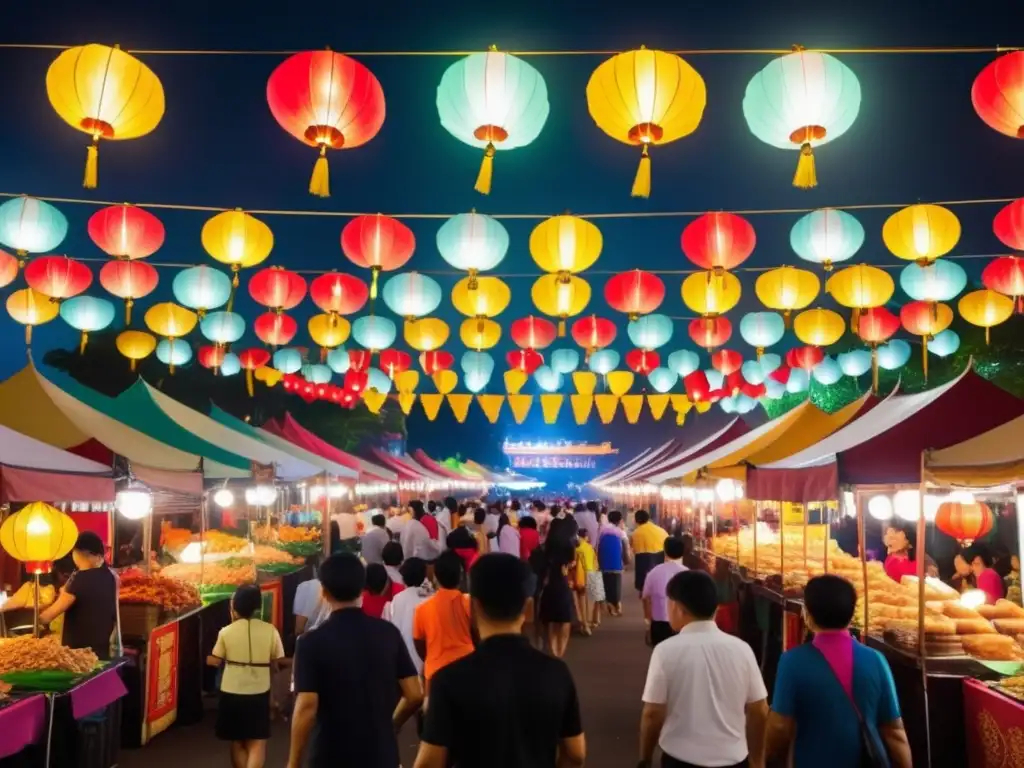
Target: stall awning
[[436, 467], [683, 454], [31, 470], [289, 429], [646, 456], [992, 458]]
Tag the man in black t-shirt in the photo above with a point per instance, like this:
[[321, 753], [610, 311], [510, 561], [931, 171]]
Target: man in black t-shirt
[[506, 705]]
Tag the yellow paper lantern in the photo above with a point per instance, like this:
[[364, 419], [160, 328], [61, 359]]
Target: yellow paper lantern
[[328, 330], [269, 376], [985, 309], [426, 334], [407, 381], [710, 294], [819, 327], [170, 320], [619, 382], [238, 239], [561, 297], [106, 93], [514, 380], [646, 97], [445, 381], [489, 298], [38, 533], [860, 287], [31, 308], [787, 289], [479, 334], [565, 244], [135, 345], [921, 233]]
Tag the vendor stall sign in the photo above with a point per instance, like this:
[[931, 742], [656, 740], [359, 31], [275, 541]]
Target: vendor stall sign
[[273, 603], [161, 681]]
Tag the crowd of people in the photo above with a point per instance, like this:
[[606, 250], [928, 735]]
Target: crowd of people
[[430, 620]]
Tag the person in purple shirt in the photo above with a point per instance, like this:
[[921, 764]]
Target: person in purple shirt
[[655, 595]]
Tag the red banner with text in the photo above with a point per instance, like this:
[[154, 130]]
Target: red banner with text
[[161, 681]]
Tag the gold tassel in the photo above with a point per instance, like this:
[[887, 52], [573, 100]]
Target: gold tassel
[[787, 318], [642, 182], [84, 341], [128, 311], [987, 335], [561, 328], [320, 181], [248, 381], [375, 271], [855, 320], [323, 354], [874, 368], [924, 357], [483, 179], [760, 352], [133, 364], [28, 335], [805, 177], [92, 162]]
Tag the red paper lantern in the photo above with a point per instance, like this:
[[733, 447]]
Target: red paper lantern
[[710, 332], [436, 360], [275, 329], [525, 360], [126, 232], [356, 381], [58, 277], [348, 399], [533, 332], [781, 374], [998, 94], [277, 288], [394, 362], [326, 100], [642, 361], [211, 356], [753, 391], [339, 293], [805, 358], [1005, 275], [718, 241], [378, 243], [359, 359], [920, 318], [634, 293], [593, 333], [877, 325], [308, 392], [697, 386], [965, 522], [9, 267], [726, 361], [250, 360], [1008, 225]]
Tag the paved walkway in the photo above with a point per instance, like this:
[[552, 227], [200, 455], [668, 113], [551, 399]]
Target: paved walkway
[[609, 669]]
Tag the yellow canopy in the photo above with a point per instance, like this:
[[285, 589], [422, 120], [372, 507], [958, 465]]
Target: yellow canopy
[[992, 458], [732, 464]]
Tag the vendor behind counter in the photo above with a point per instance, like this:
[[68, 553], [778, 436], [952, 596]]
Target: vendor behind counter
[[24, 599]]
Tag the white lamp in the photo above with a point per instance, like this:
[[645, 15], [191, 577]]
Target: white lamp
[[224, 498], [880, 507], [907, 505], [260, 495], [133, 503]]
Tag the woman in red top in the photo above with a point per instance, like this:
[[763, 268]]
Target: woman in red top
[[989, 582], [529, 537], [898, 563], [379, 590]]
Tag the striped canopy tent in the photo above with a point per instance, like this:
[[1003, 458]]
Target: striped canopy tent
[[31, 470], [995, 457], [646, 456], [287, 428]]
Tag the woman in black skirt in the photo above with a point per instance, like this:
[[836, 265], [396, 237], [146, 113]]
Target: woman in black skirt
[[556, 601], [249, 649]]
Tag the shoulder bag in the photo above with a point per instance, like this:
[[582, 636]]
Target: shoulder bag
[[873, 753]]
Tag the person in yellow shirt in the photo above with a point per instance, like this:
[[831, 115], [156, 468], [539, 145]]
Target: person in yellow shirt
[[49, 584], [586, 583], [648, 543]]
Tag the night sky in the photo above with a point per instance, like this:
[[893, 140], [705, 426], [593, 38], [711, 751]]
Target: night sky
[[917, 137]]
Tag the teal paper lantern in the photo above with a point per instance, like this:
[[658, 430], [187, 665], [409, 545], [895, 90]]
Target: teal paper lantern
[[222, 327], [662, 380], [753, 373], [827, 372], [604, 361], [472, 242], [939, 280], [412, 295], [548, 379], [29, 225], [738, 404], [374, 332], [826, 236], [87, 314], [172, 353], [799, 381], [683, 362], [476, 381], [492, 101], [773, 389], [894, 354], [770, 362], [716, 379], [338, 360], [317, 373], [650, 331], [945, 343], [378, 380], [288, 360], [565, 361], [201, 288], [231, 365], [477, 368], [854, 363], [762, 329]]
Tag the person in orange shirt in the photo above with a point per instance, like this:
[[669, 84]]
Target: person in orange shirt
[[441, 627]]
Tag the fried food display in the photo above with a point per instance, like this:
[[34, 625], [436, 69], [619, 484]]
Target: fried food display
[[29, 654], [228, 572], [167, 593]]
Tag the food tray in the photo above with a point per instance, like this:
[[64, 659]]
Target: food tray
[[43, 680], [299, 548]]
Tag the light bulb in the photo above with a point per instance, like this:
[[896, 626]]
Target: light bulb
[[133, 503], [880, 507], [37, 526], [223, 498], [907, 505]]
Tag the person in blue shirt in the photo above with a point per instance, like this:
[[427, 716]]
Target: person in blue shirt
[[820, 686]]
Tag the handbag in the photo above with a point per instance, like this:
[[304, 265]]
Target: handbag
[[873, 753]]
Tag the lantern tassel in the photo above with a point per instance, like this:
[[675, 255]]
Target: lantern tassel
[[248, 381], [642, 181], [28, 335], [84, 341], [320, 181], [874, 368], [924, 357], [133, 363], [128, 311], [483, 179], [375, 271], [561, 328], [855, 320], [92, 163], [806, 176], [988, 335]]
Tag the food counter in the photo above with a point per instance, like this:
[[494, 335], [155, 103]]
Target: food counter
[[993, 723]]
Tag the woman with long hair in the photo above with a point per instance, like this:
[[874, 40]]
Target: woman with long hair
[[556, 600]]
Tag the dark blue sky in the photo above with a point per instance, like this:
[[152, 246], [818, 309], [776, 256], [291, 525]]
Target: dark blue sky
[[917, 136]]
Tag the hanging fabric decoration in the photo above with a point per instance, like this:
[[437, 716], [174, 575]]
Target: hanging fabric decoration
[[326, 101], [606, 407], [520, 406], [998, 94], [129, 281], [718, 241], [135, 345], [826, 236], [581, 407], [646, 98], [237, 239], [106, 93], [921, 233], [460, 406], [550, 406], [29, 225], [87, 314], [492, 101], [585, 382], [787, 289], [378, 243], [657, 404], [800, 101], [126, 232]]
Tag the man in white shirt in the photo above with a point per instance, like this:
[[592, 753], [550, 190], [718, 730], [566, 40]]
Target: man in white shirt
[[416, 539], [402, 608], [374, 539], [309, 607], [705, 703], [491, 527], [444, 514], [348, 530]]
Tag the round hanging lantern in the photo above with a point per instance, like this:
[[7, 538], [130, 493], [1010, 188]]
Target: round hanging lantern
[[477, 368], [925, 319], [222, 327], [29, 225], [338, 360], [525, 360], [859, 288], [753, 372], [548, 379], [804, 358], [827, 372], [173, 353], [604, 361], [532, 333], [238, 239], [211, 357], [710, 294], [492, 101], [877, 324], [106, 93], [394, 362], [339, 294], [646, 98], [565, 245], [38, 533], [985, 309], [359, 359], [435, 360], [1005, 275], [230, 365], [998, 94], [826, 236], [662, 380], [250, 360], [1008, 225], [8, 269], [642, 361], [277, 289], [762, 329], [710, 332], [650, 331], [275, 328], [378, 243], [854, 363], [426, 334], [126, 232], [377, 380], [326, 101], [201, 288], [718, 241], [945, 343], [800, 101], [135, 345], [561, 297], [170, 320], [287, 360], [58, 277], [683, 362], [787, 289], [481, 296], [31, 308], [479, 334], [921, 233], [893, 355], [819, 327], [697, 386], [472, 242], [87, 314], [565, 361], [374, 332], [130, 281], [328, 331], [412, 294], [634, 293], [726, 361], [965, 522], [940, 280], [593, 333]]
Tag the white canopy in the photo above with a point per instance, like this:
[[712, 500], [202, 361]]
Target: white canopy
[[18, 450]]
